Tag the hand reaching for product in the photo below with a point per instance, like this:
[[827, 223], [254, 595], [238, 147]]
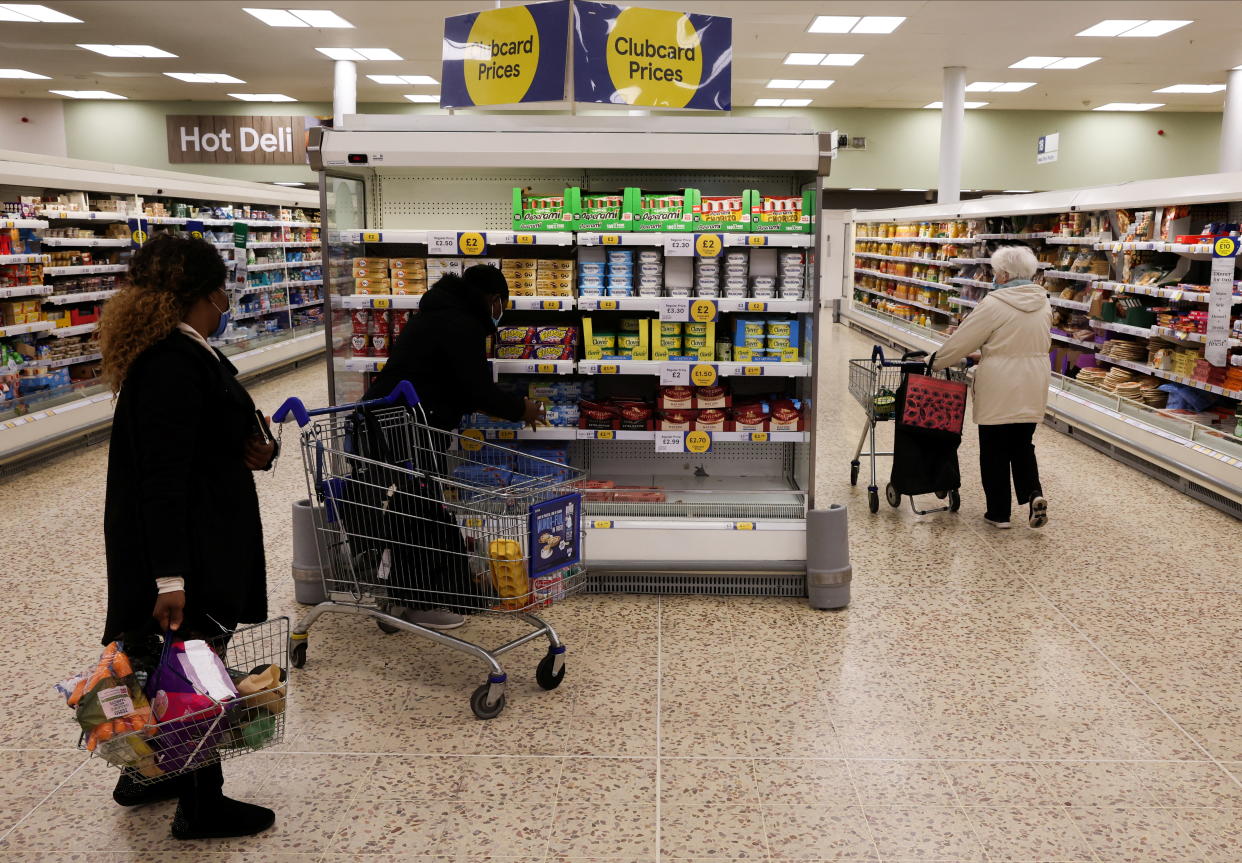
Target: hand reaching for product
[[536, 413], [169, 609]]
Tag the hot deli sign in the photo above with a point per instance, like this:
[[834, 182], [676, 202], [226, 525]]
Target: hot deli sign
[[232, 140]]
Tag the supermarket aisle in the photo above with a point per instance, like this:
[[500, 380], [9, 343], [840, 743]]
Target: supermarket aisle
[[1063, 695]]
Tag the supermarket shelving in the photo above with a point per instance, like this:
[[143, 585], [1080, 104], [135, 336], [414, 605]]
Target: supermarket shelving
[[1074, 277], [1186, 294], [973, 283], [23, 259], [1082, 343], [1121, 328], [1073, 241], [1076, 305], [88, 270], [22, 329], [1171, 376], [940, 286], [929, 261], [908, 302], [76, 330], [84, 297], [84, 242], [26, 291]]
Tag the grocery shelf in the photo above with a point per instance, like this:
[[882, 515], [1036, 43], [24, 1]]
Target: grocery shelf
[[306, 283], [267, 265], [89, 270], [545, 304], [367, 301], [26, 291], [1121, 328], [533, 367], [274, 244], [963, 241], [493, 238], [540, 433], [22, 329], [787, 241], [1056, 239], [1037, 235], [32, 224], [295, 306], [274, 310], [1198, 251], [89, 216], [86, 297], [1182, 335], [721, 436], [1076, 305], [23, 259], [723, 369], [62, 363], [962, 301], [929, 261], [80, 242], [1185, 294], [76, 330], [1171, 376], [941, 286], [907, 302], [974, 283], [723, 304], [1062, 337], [1077, 277]]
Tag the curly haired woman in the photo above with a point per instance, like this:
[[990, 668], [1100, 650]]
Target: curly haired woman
[[182, 529]]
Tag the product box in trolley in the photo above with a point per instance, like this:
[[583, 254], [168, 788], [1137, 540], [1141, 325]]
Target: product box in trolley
[[781, 214], [543, 212], [726, 213], [665, 211], [604, 211]]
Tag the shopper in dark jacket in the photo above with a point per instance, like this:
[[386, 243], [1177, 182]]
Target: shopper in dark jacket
[[443, 352], [182, 530]]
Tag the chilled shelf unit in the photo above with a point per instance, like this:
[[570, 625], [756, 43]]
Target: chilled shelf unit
[[688, 399], [1128, 270], [67, 231]]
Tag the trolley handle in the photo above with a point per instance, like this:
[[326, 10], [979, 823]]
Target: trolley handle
[[877, 356], [403, 391]]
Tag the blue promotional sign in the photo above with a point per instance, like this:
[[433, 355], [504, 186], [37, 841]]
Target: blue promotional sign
[[194, 228], [555, 535], [505, 56], [652, 57], [139, 232]]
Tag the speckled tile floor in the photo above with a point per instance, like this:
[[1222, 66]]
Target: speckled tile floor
[[1026, 697]]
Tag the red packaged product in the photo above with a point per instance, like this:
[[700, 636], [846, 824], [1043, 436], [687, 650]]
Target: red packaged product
[[785, 416], [712, 397], [597, 415], [360, 344], [677, 420], [710, 420], [636, 416], [649, 495], [361, 319], [379, 344], [379, 322], [749, 418], [676, 398], [589, 493], [398, 318]]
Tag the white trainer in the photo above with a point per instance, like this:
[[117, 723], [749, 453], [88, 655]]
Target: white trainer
[[1039, 512], [999, 525]]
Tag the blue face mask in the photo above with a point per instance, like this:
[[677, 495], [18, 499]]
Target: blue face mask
[[224, 322], [496, 320]]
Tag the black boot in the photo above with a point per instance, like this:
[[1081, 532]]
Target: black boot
[[130, 791], [219, 818]]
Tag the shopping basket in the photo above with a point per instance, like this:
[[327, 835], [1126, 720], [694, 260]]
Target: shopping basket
[[409, 516], [874, 383], [219, 729]]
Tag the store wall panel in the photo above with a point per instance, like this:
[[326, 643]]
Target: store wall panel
[[33, 126]]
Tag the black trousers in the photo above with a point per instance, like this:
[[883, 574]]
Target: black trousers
[[1004, 450]]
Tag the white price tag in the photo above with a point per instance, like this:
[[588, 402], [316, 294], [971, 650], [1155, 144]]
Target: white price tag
[[670, 441], [675, 374], [441, 242], [679, 245], [675, 309]]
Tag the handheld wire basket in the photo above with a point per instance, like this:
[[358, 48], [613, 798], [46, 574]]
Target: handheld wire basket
[[220, 729]]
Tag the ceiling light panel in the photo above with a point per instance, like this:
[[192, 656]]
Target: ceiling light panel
[[204, 78], [87, 94], [1071, 62], [423, 97], [999, 86], [861, 189], [127, 50], [833, 23], [263, 97], [1129, 106], [878, 24], [816, 84], [768, 103], [1112, 27], [867, 25], [404, 79], [784, 83], [32, 13], [795, 103], [321, 18], [803, 59], [359, 54], [1128, 28], [1191, 88], [22, 73], [968, 105], [841, 59]]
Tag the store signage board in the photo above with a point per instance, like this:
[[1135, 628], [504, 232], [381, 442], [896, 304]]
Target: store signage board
[[237, 140], [505, 56], [1220, 300], [1048, 148], [658, 58]]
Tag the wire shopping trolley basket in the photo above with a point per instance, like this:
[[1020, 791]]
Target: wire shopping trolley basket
[[411, 517], [158, 711], [874, 383]]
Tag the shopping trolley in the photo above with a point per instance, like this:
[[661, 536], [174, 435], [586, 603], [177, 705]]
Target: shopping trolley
[[410, 516], [874, 383]]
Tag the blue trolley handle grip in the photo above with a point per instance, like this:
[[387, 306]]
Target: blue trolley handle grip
[[403, 391]]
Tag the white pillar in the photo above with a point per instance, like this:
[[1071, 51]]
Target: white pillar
[[1231, 124], [344, 92], [952, 119]]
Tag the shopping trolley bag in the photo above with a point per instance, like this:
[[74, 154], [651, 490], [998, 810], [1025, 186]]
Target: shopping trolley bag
[[931, 404], [930, 412]]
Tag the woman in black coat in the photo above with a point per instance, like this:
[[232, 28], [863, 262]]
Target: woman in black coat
[[182, 529]]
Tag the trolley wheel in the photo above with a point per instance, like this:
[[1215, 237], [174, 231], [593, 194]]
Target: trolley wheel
[[386, 627], [942, 494], [955, 501], [543, 674], [297, 653], [891, 495], [873, 499], [478, 703], [854, 472]]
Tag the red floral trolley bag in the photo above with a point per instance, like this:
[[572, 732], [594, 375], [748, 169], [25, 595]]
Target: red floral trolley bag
[[931, 404]]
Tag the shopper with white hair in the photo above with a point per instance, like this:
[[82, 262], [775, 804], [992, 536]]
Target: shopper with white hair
[[1009, 330]]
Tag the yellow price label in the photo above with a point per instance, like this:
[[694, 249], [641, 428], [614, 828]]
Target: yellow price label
[[610, 239], [1225, 247], [606, 434], [371, 236], [744, 525], [545, 368], [472, 440], [471, 243], [752, 371], [703, 375], [608, 370], [381, 303], [759, 437], [506, 434], [607, 305], [756, 307], [756, 240], [524, 239], [698, 441], [601, 525], [140, 237], [379, 365], [551, 304], [707, 245], [198, 235], [703, 311]]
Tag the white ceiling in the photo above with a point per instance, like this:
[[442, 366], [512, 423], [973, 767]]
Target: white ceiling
[[901, 70]]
